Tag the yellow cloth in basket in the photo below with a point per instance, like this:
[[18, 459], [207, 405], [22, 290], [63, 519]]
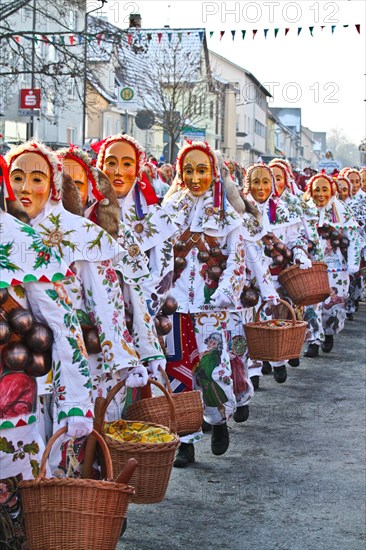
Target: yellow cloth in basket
[[136, 432]]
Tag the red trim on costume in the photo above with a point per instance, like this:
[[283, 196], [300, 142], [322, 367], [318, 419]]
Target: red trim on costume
[[4, 179], [147, 190]]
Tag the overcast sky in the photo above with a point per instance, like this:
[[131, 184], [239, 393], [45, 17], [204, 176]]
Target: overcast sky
[[323, 74]]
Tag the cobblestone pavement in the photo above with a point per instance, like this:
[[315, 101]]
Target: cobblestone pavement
[[293, 477]]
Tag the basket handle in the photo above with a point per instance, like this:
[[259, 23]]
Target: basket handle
[[102, 443], [293, 318], [99, 418], [166, 380]]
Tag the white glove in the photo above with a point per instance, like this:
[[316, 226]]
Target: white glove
[[219, 299], [275, 301], [305, 262], [153, 367], [77, 426], [137, 377]]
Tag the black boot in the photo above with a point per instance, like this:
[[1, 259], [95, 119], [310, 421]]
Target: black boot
[[294, 362], [349, 316], [327, 345], [255, 382], [184, 456], [312, 351], [206, 427], [280, 374], [219, 439], [266, 368], [241, 414]]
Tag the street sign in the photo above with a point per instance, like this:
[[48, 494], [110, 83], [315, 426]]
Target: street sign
[[30, 98], [126, 99], [29, 112], [145, 120], [194, 134]]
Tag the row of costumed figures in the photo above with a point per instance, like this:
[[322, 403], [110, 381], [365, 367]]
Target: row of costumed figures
[[103, 282]]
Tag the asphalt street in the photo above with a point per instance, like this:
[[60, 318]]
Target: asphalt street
[[293, 477]]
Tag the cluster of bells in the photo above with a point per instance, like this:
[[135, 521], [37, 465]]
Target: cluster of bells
[[25, 343], [335, 237], [214, 272], [162, 322], [277, 250]]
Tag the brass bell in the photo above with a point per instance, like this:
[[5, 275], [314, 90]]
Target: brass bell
[[15, 356], [223, 265], [249, 297], [215, 251], [5, 332], [91, 340], [180, 245], [40, 338], [40, 364], [179, 263], [169, 306], [214, 272], [3, 295], [129, 319], [203, 256], [20, 320], [165, 325]]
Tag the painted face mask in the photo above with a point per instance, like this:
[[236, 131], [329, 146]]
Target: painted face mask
[[279, 177], [354, 178], [120, 167], [260, 184], [343, 189], [78, 174], [321, 192], [30, 179], [197, 172], [363, 180]]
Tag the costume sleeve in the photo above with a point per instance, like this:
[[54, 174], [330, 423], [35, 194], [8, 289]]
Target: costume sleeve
[[354, 249], [232, 280], [143, 331], [105, 306], [259, 270], [294, 237], [71, 381]]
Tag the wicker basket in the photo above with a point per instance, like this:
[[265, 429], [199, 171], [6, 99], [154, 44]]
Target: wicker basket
[[306, 287], [155, 460], [74, 514], [188, 410], [268, 343]]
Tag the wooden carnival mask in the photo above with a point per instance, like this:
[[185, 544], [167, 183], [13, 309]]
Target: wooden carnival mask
[[280, 181], [260, 184], [343, 189], [355, 179], [30, 178], [76, 171], [321, 191], [120, 166], [197, 172]]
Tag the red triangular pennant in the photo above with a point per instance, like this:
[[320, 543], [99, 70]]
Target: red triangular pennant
[[254, 32], [358, 28], [222, 34], [286, 31]]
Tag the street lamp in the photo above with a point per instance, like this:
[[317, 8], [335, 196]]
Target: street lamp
[[85, 66]]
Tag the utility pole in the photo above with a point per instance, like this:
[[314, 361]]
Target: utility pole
[[85, 79], [33, 60]]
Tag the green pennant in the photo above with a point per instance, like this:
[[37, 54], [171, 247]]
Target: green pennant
[[211, 33], [276, 32], [243, 34], [311, 29]]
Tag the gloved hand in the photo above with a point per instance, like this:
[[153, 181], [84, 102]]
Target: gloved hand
[[301, 259], [219, 299], [77, 426], [153, 367], [275, 301], [137, 377]]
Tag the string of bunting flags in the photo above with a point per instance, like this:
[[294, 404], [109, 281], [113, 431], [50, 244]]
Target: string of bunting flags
[[286, 31], [72, 39]]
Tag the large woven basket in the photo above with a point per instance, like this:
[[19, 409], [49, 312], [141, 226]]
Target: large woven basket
[[188, 410], [268, 343], [74, 514], [155, 460], [306, 287]]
